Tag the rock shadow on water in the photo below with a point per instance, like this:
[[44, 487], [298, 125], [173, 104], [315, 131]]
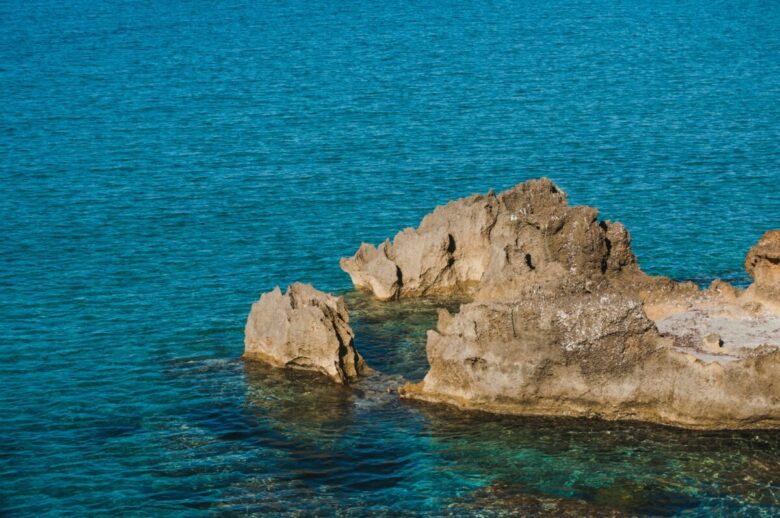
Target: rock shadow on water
[[338, 438], [542, 466]]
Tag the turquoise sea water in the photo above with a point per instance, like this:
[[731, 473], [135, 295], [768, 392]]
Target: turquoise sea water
[[162, 163]]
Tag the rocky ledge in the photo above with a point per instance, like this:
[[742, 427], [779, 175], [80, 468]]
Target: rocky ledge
[[564, 322], [303, 329]]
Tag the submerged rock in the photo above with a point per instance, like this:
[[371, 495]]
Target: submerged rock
[[564, 322], [303, 329]]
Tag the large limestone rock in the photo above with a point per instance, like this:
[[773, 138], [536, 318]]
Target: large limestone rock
[[564, 322], [590, 355], [493, 240], [304, 329]]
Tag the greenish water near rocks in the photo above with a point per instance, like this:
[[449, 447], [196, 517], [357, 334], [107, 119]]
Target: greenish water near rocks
[[163, 163]]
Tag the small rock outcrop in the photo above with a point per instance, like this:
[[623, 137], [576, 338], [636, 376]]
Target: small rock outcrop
[[763, 265], [303, 329], [564, 322]]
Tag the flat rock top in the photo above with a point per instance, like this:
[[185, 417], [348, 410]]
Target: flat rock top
[[740, 332]]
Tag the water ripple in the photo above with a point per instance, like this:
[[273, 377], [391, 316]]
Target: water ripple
[[164, 163]]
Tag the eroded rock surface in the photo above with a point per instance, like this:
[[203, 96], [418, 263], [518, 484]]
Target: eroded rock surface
[[763, 264], [491, 240], [564, 322], [303, 329], [592, 356]]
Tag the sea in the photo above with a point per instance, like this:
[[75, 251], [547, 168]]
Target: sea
[[163, 163]]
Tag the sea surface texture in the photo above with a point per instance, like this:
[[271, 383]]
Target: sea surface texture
[[163, 163]]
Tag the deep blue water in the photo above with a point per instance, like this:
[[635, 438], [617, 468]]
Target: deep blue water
[[162, 163]]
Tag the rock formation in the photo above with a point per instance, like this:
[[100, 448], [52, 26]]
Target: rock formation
[[303, 329], [564, 322], [592, 356], [493, 240], [763, 264], [763, 261]]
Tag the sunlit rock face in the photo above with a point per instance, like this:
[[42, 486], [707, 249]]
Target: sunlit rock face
[[564, 322], [591, 355], [303, 329], [763, 264], [763, 261], [491, 240]]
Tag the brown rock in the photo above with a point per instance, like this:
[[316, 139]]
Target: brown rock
[[303, 329], [489, 240], [590, 356], [724, 290], [375, 272], [712, 343], [564, 322], [763, 264]]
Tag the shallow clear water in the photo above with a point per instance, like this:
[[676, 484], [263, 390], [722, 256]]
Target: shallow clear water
[[164, 163]]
